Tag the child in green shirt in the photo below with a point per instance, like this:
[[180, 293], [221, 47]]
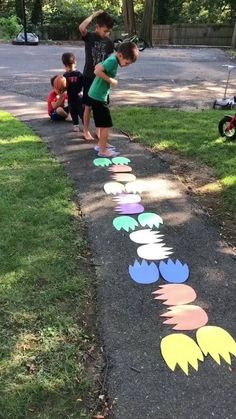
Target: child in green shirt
[[99, 91]]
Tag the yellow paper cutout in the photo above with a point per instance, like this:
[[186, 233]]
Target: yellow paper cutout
[[215, 341], [180, 349]]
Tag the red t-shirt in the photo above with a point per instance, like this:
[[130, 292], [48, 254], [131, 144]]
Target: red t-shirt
[[52, 97]]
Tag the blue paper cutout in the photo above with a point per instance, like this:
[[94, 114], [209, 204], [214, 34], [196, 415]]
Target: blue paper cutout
[[144, 273], [174, 272]]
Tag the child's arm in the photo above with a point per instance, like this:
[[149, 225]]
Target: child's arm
[[83, 26], [99, 72], [59, 101]]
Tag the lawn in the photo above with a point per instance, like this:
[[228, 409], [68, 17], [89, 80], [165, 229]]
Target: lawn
[[46, 286], [192, 134]]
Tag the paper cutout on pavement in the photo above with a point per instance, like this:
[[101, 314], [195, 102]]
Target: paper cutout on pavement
[[175, 294], [154, 251], [150, 219], [182, 350], [174, 272], [146, 236], [144, 273], [102, 162], [125, 222], [124, 177], [120, 160], [216, 342], [120, 168], [186, 317], [127, 198], [129, 208], [137, 186], [113, 188]]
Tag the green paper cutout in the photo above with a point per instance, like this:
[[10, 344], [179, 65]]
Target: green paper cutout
[[102, 162], [125, 222], [120, 160], [150, 219]]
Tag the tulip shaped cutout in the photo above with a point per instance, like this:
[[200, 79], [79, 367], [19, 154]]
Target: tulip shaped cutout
[[174, 272], [150, 219], [129, 208], [137, 186], [120, 160], [102, 162], [146, 236], [123, 177], [125, 222], [120, 168], [216, 342], [186, 317], [175, 294], [127, 198], [113, 188], [156, 251], [144, 273], [182, 350]]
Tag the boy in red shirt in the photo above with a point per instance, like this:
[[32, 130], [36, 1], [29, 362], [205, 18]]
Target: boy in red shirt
[[56, 104]]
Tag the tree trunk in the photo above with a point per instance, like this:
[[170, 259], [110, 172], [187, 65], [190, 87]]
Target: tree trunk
[[234, 37], [146, 28], [129, 19]]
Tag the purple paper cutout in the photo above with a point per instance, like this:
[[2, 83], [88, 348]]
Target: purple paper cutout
[[144, 273], [129, 208]]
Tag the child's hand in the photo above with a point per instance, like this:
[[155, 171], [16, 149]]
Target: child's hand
[[113, 82], [98, 12]]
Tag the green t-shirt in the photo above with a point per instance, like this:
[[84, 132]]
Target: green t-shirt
[[100, 89]]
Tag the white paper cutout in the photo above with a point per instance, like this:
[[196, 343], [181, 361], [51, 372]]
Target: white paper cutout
[[137, 186], [146, 236], [113, 188], [154, 251], [126, 198]]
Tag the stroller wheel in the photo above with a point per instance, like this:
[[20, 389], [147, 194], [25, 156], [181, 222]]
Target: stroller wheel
[[223, 128]]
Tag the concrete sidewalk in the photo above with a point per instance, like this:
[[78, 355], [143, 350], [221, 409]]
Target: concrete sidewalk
[[130, 326]]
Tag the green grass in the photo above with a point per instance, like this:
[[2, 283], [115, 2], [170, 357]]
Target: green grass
[[194, 134], [44, 287]]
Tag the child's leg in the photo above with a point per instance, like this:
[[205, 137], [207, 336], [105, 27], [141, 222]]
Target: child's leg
[[86, 119], [103, 139], [60, 111], [74, 115]]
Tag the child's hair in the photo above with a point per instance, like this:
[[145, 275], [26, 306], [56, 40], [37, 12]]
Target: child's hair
[[68, 59], [104, 19], [52, 80], [129, 50]]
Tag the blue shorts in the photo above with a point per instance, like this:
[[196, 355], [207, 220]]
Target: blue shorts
[[56, 117]]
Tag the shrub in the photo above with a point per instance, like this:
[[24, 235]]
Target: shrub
[[9, 27]]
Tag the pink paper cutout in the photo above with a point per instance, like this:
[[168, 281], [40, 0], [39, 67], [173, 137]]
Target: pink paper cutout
[[186, 317], [120, 168], [127, 198], [129, 208], [124, 177], [175, 294]]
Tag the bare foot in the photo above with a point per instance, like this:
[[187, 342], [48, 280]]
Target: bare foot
[[108, 153], [88, 136]]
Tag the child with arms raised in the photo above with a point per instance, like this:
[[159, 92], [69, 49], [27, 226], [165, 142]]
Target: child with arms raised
[[97, 48]]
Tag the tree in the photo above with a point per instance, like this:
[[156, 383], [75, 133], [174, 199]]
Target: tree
[[129, 19], [36, 14], [147, 22], [234, 37]]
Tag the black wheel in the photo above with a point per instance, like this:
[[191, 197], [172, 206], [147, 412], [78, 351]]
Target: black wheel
[[141, 44], [223, 125], [116, 43]]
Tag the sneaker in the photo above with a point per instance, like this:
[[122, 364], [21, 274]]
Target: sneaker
[[76, 128], [109, 153]]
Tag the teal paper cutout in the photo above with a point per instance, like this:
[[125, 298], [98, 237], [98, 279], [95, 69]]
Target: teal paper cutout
[[150, 219], [120, 160], [125, 222], [102, 162]]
